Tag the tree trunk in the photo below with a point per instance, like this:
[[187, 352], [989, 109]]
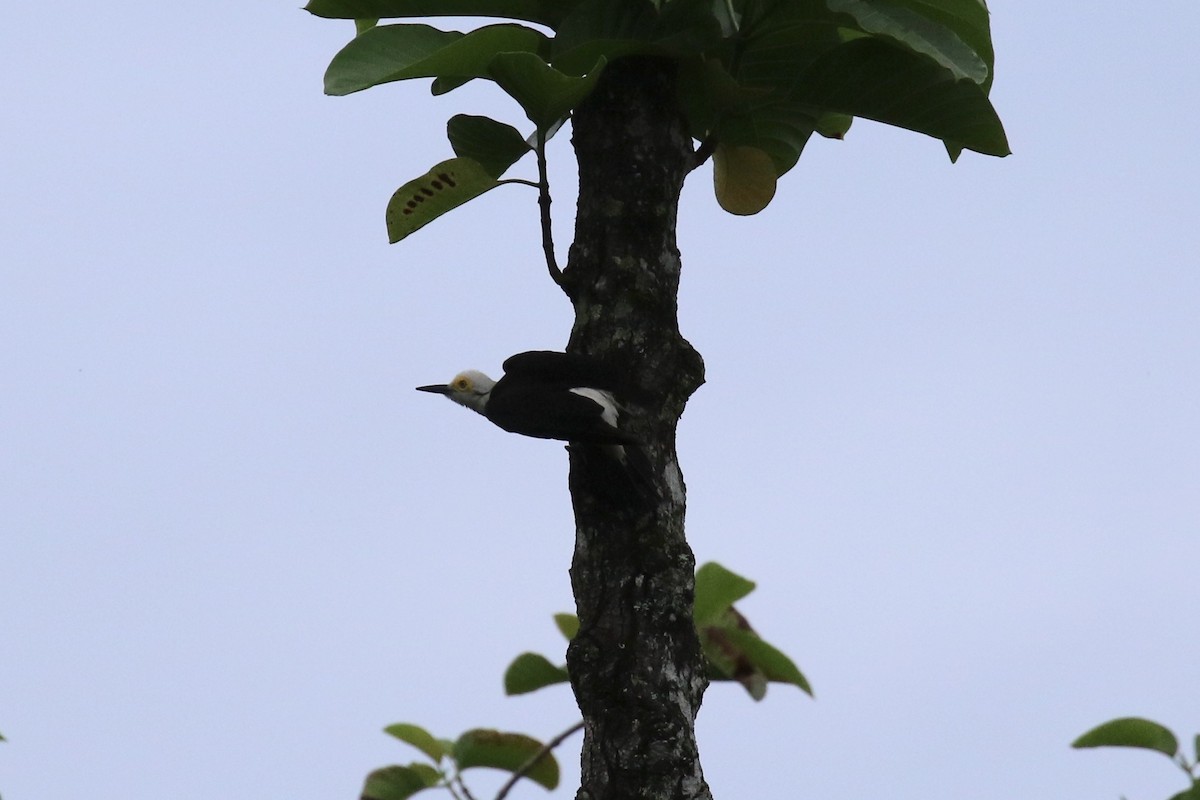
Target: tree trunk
[[636, 664]]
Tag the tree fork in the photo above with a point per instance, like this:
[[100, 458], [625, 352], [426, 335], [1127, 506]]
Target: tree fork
[[636, 665]]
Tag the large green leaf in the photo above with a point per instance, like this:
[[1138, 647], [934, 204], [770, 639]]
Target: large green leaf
[[447, 186], [808, 54], [1131, 732], [760, 16], [529, 672], [545, 94], [716, 590], [919, 33], [380, 52], [545, 12], [493, 144], [399, 783], [399, 52], [419, 738], [613, 29], [874, 79], [506, 751]]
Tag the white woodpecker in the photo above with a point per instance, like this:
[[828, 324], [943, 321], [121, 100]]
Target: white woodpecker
[[548, 395]]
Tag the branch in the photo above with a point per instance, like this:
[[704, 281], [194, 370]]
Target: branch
[[703, 152], [535, 758], [544, 204], [462, 787]]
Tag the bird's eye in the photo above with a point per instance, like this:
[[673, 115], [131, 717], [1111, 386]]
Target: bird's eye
[[462, 385]]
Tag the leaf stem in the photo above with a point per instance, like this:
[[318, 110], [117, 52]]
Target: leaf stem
[[544, 205]]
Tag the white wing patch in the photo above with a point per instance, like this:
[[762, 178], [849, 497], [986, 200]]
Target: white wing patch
[[610, 411]]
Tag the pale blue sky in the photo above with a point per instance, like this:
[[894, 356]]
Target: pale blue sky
[[951, 424]]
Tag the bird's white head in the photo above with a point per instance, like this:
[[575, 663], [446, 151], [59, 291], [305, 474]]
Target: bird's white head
[[470, 389]]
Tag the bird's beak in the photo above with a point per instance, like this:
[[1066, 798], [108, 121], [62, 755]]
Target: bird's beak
[[437, 388]]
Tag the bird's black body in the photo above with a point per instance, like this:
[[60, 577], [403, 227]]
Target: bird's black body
[[551, 395], [546, 394]]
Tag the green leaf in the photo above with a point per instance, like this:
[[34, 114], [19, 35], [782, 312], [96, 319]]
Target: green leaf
[[1131, 732], [381, 53], [419, 738], [399, 783], [918, 33], [544, 93], [775, 665], [493, 144], [401, 52], [876, 80], [445, 187], [529, 672], [804, 53], [506, 751], [364, 25], [1196, 748], [716, 590], [567, 624], [1188, 794], [613, 29], [545, 12]]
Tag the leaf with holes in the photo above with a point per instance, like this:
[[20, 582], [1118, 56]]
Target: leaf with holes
[[444, 188]]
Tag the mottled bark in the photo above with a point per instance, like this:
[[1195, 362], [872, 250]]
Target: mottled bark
[[636, 665]]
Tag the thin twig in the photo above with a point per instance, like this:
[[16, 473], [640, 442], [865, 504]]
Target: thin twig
[[544, 204], [521, 181], [463, 787], [538, 756]]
